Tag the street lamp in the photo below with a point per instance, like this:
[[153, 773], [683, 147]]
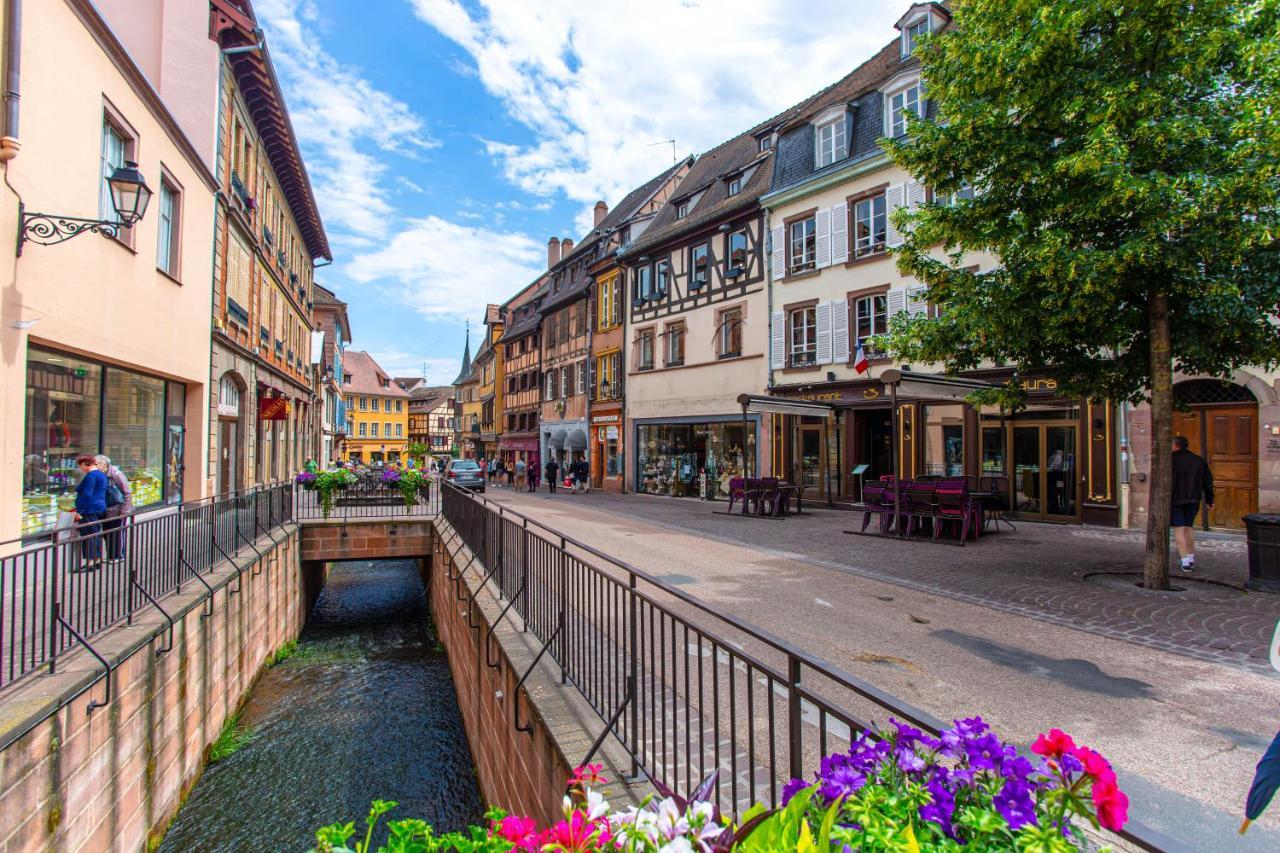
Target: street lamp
[[129, 197], [605, 388]]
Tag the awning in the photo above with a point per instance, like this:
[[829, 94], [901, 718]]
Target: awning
[[783, 406], [932, 386], [556, 439], [575, 440]]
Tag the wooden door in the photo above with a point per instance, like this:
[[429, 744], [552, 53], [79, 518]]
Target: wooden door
[[1227, 437]]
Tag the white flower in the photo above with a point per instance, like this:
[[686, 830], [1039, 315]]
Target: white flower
[[677, 845], [597, 805], [670, 822]]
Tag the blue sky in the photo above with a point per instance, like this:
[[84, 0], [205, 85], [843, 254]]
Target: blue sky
[[447, 141]]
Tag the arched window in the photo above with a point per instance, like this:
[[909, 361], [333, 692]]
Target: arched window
[[228, 397], [1206, 392]]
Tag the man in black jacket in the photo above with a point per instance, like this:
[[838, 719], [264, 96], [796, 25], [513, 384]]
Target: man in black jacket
[[1192, 480]]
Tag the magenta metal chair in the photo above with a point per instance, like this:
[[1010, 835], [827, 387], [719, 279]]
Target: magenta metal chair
[[954, 504], [920, 505], [737, 491], [877, 500]]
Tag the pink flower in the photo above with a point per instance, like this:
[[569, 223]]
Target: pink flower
[[1097, 767], [1112, 804], [578, 834], [1054, 745], [588, 774], [521, 831]]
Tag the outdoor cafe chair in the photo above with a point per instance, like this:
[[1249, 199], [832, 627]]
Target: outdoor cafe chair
[[920, 505], [954, 504], [877, 500], [767, 502], [737, 492]]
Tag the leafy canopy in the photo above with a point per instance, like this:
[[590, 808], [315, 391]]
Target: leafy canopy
[[1120, 149]]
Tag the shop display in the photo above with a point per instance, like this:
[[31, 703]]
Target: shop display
[[673, 458]]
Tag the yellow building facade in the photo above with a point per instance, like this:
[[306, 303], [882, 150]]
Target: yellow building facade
[[377, 412]]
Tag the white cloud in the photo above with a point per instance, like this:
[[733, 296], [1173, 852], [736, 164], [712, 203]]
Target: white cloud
[[597, 83], [347, 125], [407, 184], [444, 270]]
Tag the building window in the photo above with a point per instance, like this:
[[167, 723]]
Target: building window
[[373, 429], [399, 430], [801, 245], [675, 344], [386, 429], [901, 104], [661, 275], [948, 199], [868, 226], [364, 404], [364, 429], [606, 304], [734, 185], [766, 142], [738, 251], [169, 223], [682, 210], [582, 377], [832, 142], [551, 384], [566, 381], [803, 334], [729, 333], [911, 35], [699, 265], [399, 406], [870, 318], [644, 283], [116, 148], [644, 340], [386, 405], [944, 439], [607, 372]]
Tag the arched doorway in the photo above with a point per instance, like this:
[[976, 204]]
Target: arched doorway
[[1220, 420], [230, 437]]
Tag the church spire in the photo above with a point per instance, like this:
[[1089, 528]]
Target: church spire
[[466, 358]]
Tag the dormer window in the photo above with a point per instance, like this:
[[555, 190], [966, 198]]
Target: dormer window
[[682, 210], [766, 142], [912, 32], [905, 101], [734, 185], [831, 137]]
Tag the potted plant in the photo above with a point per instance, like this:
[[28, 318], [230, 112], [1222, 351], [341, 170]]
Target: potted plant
[[327, 483], [407, 482]]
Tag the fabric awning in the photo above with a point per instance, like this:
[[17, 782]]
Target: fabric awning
[[556, 439], [784, 406], [932, 386], [575, 440]]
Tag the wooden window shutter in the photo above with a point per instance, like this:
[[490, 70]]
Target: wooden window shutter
[[897, 301], [778, 243], [839, 331], [822, 238], [914, 194], [822, 314], [839, 233], [894, 198], [918, 300], [778, 340]]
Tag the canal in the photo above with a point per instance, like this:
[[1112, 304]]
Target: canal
[[364, 709]]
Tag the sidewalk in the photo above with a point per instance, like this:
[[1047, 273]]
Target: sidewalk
[[1084, 577]]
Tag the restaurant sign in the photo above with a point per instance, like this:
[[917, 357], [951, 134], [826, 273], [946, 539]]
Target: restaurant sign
[[604, 419], [273, 409]]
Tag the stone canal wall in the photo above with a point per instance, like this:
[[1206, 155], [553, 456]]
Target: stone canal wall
[[107, 779], [521, 772]]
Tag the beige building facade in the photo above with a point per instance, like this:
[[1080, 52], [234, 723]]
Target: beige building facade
[[103, 348]]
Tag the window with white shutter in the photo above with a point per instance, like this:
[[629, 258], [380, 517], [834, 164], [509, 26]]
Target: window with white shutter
[[918, 300], [839, 331], [582, 377], [822, 232], [897, 301], [914, 194], [779, 250], [839, 233], [778, 340], [822, 312], [894, 198]]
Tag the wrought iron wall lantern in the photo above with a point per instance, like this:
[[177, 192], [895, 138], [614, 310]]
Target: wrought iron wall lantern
[[129, 196]]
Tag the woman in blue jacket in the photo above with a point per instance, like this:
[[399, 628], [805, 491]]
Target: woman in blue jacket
[[91, 506]]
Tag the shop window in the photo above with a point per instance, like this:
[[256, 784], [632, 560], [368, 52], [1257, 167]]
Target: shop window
[[133, 432], [673, 459], [944, 439], [802, 334]]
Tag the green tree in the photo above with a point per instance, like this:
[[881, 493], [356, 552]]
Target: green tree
[[1126, 157], [419, 451]]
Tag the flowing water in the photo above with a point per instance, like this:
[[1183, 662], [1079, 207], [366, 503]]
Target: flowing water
[[364, 710]]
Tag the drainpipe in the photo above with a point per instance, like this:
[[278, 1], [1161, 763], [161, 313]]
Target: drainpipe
[[9, 144], [768, 347], [1125, 461], [249, 48]]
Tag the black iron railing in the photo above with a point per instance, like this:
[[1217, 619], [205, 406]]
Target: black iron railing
[[683, 686], [370, 498], [94, 576]]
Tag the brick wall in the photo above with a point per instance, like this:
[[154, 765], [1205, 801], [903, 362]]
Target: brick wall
[[109, 779], [377, 540]]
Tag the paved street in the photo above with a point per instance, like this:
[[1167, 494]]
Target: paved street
[[1039, 628]]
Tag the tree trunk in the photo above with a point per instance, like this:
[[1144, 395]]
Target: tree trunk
[[1155, 569]]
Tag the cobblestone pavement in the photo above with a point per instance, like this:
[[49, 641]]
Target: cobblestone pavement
[[1033, 629], [1084, 577]]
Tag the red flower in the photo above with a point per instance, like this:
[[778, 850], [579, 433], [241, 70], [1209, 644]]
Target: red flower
[[588, 774], [1054, 745], [1112, 804], [1097, 767], [517, 830], [577, 834]]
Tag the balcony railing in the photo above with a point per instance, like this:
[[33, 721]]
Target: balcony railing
[[95, 576], [802, 359], [369, 498], [240, 192]]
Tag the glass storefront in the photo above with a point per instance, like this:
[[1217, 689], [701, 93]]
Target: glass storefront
[[944, 439], [74, 407], [1035, 450], [671, 458]]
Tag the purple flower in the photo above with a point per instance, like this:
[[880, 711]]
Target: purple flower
[[908, 760], [985, 752], [1015, 804], [972, 727], [792, 788], [391, 475], [305, 477], [839, 775], [942, 804]]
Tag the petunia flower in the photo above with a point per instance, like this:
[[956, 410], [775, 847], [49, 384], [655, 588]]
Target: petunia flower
[[1054, 745]]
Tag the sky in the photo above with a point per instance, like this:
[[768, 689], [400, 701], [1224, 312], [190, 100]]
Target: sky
[[447, 141]]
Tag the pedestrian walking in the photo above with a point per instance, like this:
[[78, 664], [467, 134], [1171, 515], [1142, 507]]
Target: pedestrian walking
[[553, 474], [584, 474], [119, 499], [91, 506], [484, 468], [533, 475], [520, 475], [1192, 482]]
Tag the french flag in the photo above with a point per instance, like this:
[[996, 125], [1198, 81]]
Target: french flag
[[860, 359]]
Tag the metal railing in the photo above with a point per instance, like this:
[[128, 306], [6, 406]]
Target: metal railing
[[683, 686], [97, 575], [369, 498]]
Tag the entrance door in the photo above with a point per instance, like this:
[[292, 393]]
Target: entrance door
[[1226, 436], [228, 455], [1046, 482], [811, 458]]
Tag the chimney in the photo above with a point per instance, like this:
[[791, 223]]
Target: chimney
[[602, 210], [553, 252], [566, 246]]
